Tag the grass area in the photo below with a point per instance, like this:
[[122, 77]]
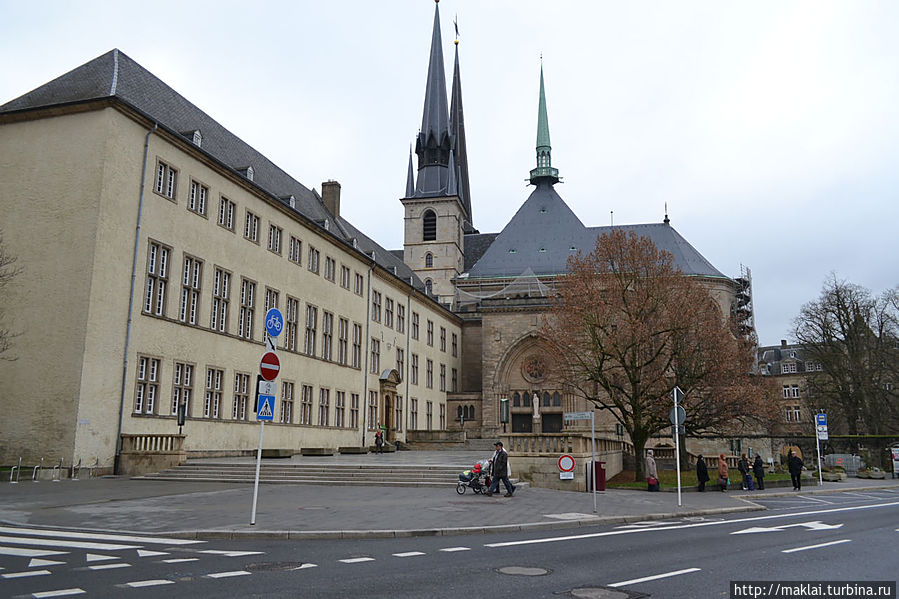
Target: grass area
[[668, 478]]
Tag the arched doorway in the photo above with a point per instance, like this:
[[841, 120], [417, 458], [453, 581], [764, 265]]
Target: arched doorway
[[387, 384]]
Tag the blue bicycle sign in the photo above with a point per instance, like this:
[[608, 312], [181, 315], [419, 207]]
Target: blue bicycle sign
[[274, 322]]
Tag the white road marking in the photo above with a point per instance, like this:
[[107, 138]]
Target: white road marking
[[356, 560], [304, 566], [451, 549], [34, 563], [231, 553], [816, 525], [93, 557], [647, 524], [66, 534], [180, 560], [148, 583], [24, 574], [655, 577], [571, 516], [59, 593], [229, 574], [21, 552], [110, 566], [815, 499], [65, 543], [148, 553], [409, 554], [692, 525], [795, 549]]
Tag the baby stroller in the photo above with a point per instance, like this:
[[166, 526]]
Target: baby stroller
[[476, 478]]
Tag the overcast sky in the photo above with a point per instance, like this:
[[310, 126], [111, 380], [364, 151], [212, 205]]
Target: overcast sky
[[769, 128]]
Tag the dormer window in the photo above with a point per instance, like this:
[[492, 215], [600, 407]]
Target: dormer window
[[197, 138], [250, 173], [429, 226]]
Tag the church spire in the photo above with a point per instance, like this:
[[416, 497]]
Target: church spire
[[435, 139], [457, 127], [544, 170]]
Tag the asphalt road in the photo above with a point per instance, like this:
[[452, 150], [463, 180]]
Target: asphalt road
[[838, 537]]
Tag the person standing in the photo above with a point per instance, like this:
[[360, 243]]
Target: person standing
[[379, 441], [743, 467], [500, 471], [794, 465], [758, 468], [702, 472], [723, 473], [652, 474]]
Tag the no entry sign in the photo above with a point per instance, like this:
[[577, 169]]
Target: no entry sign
[[269, 366]]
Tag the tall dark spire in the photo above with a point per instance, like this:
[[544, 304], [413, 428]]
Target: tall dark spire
[[435, 139], [544, 170], [457, 126]]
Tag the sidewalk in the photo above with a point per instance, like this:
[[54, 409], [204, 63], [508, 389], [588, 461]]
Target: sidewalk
[[216, 510]]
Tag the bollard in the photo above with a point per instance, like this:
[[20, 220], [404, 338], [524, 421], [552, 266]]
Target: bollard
[[36, 472], [15, 470]]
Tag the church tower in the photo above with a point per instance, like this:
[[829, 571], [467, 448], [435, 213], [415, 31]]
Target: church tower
[[437, 203]]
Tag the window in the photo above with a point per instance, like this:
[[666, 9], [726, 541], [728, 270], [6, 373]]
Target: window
[[399, 413], [400, 318], [430, 333], [311, 320], [372, 410], [443, 377], [196, 202], [306, 405], [290, 338], [442, 416], [357, 345], [344, 277], [794, 390], [429, 226], [736, 446], [147, 385], [241, 396], [324, 407], [166, 180], [359, 285], [313, 259], [213, 399], [415, 325], [414, 369], [221, 284], [794, 414], [429, 260], [340, 409], [190, 290], [247, 308], [429, 287], [786, 391], [788, 368], [251, 227], [388, 312], [375, 356], [327, 335], [376, 306], [157, 279], [429, 415], [413, 414], [343, 332], [274, 239], [271, 301], [286, 415], [295, 250], [226, 213], [182, 387], [400, 360], [354, 410], [455, 345], [455, 381], [442, 339], [429, 374], [330, 268]]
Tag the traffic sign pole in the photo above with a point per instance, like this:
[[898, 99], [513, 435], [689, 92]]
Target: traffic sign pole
[[675, 393], [269, 367], [258, 465], [820, 433], [593, 463]]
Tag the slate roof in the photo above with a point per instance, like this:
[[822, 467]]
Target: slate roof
[[115, 75], [545, 232]]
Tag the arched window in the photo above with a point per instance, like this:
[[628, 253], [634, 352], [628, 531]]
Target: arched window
[[429, 287], [429, 226], [471, 412], [429, 260], [526, 399], [546, 398], [516, 400], [460, 412], [557, 399]]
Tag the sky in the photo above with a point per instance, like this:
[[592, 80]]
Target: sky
[[769, 129]]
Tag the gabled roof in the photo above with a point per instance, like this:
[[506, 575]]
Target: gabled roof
[[116, 76]]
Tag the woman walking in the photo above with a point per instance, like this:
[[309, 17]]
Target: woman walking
[[723, 473], [652, 475]]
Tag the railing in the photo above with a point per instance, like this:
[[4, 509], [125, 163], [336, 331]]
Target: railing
[[152, 443], [57, 473], [556, 443]]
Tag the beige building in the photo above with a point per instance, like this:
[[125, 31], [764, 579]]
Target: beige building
[[153, 241]]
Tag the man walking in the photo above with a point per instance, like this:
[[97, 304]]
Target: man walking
[[500, 471], [794, 464]]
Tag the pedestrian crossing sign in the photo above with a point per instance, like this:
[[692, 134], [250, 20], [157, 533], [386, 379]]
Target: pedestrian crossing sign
[[266, 408]]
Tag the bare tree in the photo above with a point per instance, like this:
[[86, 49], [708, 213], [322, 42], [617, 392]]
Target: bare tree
[[853, 336], [8, 270], [627, 327]]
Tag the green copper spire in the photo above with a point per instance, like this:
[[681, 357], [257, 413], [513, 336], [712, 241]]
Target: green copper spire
[[544, 170]]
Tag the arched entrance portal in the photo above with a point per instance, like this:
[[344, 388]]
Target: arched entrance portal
[[387, 384], [536, 400]]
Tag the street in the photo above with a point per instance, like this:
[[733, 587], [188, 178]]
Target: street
[[848, 536]]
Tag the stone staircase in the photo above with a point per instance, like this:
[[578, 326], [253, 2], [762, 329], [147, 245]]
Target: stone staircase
[[312, 474]]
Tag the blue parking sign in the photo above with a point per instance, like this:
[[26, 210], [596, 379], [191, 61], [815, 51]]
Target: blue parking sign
[[821, 419]]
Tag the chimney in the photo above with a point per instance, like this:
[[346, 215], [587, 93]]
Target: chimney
[[331, 197], [783, 342]]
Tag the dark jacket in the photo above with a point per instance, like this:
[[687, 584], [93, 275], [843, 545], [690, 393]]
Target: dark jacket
[[500, 464], [758, 467], [795, 465], [702, 472], [743, 466]]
